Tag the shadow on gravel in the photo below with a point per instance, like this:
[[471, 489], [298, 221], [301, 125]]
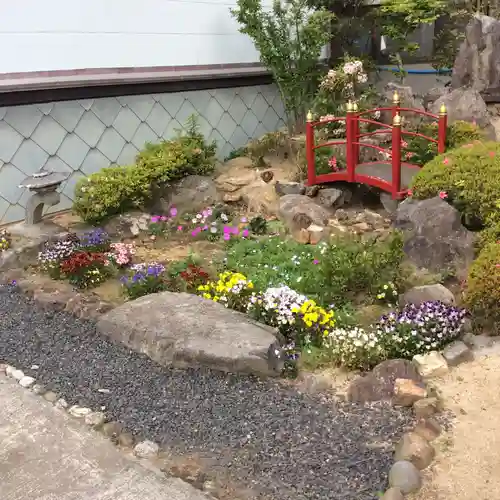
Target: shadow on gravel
[[259, 434]]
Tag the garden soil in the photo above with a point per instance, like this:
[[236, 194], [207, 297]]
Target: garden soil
[[467, 465]]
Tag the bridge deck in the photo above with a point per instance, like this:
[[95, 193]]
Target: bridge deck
[[383, 170]]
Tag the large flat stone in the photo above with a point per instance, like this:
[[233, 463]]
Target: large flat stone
[[182, 330]]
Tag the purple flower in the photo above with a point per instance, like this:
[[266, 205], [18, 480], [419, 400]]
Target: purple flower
[[196, 231], [227, 236], [244, 233], [315, 261], [155, 218], [173, 212]]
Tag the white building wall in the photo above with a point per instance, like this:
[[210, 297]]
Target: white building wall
[[50, 35]]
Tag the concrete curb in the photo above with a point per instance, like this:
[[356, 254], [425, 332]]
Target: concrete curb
[[147, 453]]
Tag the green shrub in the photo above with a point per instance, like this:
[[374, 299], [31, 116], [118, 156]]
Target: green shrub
[[118, 188], [482, 294], [330, 273], [469, 178]]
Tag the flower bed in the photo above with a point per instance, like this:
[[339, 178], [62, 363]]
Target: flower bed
[[308, 293]]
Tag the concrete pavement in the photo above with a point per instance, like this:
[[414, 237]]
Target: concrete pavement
[[47, 455]]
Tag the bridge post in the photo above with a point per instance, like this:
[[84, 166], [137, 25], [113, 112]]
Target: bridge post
[[396, 156], [355, 134], [349, 153], [310, 157], [442, 126], [396, 101]]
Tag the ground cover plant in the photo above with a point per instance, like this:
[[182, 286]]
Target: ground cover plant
[[343, 271]]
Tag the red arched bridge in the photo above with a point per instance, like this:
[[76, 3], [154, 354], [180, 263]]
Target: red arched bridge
[[393, 175]]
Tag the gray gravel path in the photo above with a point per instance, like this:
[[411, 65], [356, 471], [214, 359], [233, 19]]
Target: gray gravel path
[[282, 444]]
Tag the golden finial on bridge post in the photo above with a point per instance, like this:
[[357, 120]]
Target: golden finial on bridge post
[[355, 107], [350, 107], [395, 97], [442, 109], [309, 117], [396, 121]]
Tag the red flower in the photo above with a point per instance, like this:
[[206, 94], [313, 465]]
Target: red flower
[[443, 195]]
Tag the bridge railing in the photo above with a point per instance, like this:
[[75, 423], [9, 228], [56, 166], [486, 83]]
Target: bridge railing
[[352, 120]]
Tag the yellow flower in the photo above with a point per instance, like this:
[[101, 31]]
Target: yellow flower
[[206, 295]]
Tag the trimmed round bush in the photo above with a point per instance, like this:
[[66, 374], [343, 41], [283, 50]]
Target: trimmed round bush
[[469, 178], [482, 294]]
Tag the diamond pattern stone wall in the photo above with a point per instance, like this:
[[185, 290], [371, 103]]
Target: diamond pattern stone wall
[[81, 137]]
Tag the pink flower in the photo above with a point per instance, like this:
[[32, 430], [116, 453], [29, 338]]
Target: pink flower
[[196, 231], [497, 265], [155, 218], [410, 192], [205, 228], [173, 212], [205, 213], [235, 230], [179, 228], [315, 261], [446, 161], [443, 195], [244, 220], [244, 233], [163, 218], [409, 155], [404, 144], [227, 236], [227, 229], [332, 162]]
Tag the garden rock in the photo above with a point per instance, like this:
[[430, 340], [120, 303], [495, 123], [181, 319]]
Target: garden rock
[[415, 449], [189, 195], [433, 94], [26, 382], [457, 352], [419, 294], [407, 392], [426, 407], [434, 236], [379, 384], [477, 64], [428, 428], [186, 330], [431, 364], [478, 342], [146, 449], [95, 419], [300, 211], [284, 188], [241, 181], [393, 494], [127, 225], [330, 197], [407, 97], [405, 476], [464, 104]]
